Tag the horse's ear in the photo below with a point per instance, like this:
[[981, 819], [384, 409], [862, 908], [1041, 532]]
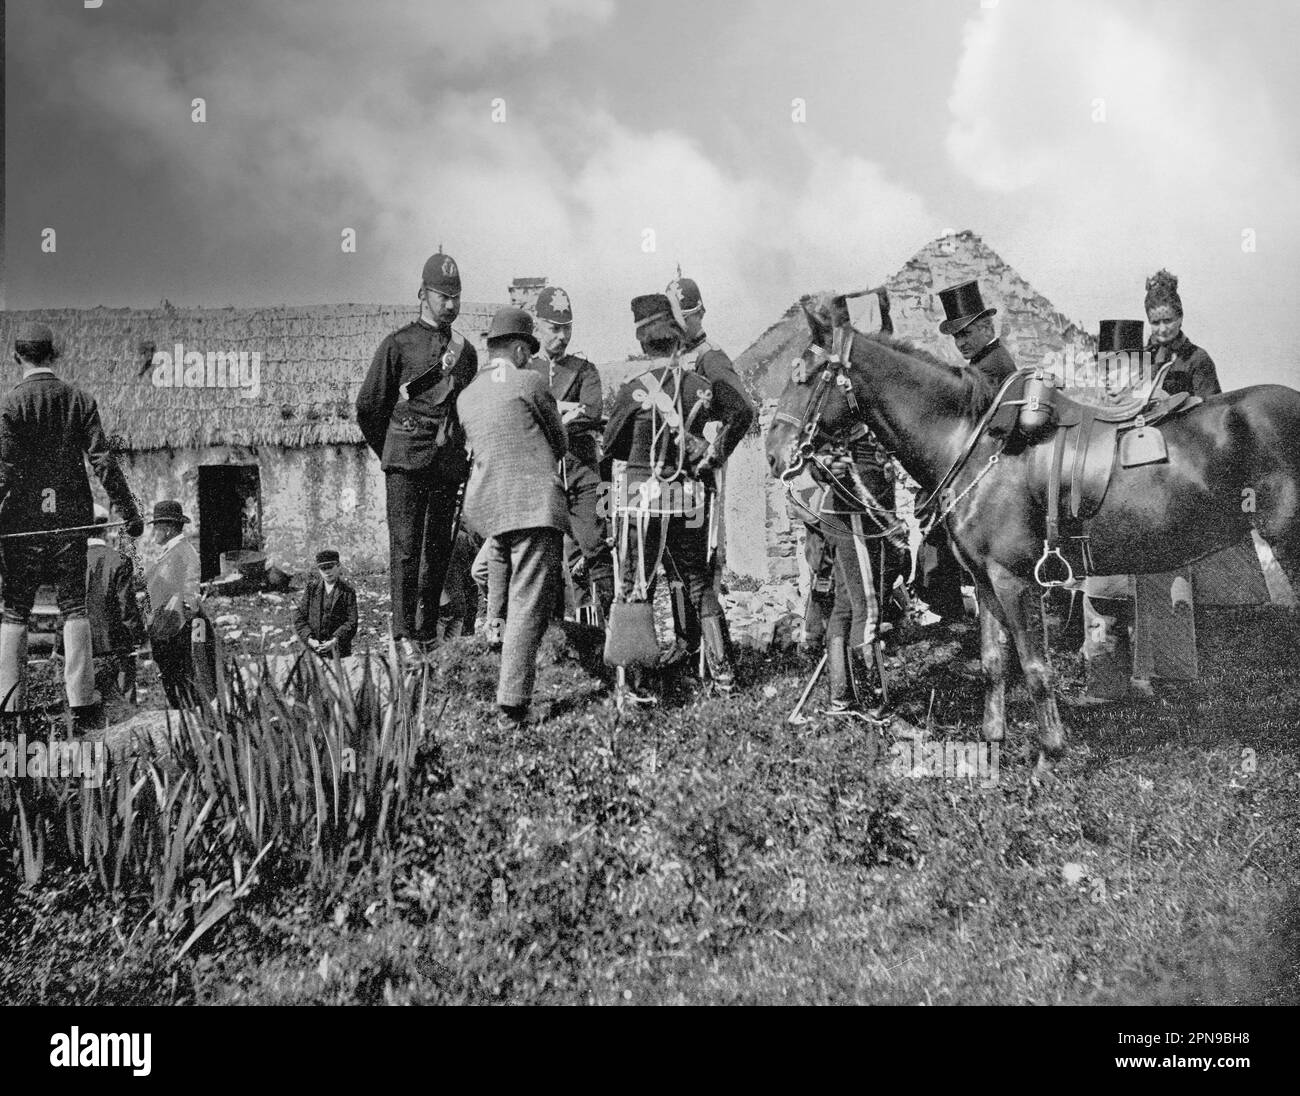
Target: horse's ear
[[812, 312]]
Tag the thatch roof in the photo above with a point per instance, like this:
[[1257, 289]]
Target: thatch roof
[[313, 360]]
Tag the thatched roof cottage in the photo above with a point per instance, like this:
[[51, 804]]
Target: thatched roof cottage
[[245, 415]]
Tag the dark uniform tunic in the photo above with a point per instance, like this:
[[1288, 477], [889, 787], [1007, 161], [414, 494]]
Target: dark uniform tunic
[[575, 380], [684, 537], [734, 408], [418, 439], [46, 425]]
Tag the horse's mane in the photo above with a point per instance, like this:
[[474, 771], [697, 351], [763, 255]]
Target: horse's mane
[[904, 347]]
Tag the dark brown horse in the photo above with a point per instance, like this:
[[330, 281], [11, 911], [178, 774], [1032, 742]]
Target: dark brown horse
[[1234, 463]]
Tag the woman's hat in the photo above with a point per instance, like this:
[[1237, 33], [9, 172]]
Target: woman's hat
[[168, 510]]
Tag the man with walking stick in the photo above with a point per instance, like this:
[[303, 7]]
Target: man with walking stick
[[48, 429]]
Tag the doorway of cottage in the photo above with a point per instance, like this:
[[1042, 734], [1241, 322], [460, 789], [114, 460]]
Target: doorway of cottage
[[230, 513]]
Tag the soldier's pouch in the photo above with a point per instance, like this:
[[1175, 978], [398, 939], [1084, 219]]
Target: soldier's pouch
[[630, 635]]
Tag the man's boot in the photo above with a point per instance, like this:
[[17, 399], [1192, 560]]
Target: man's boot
[[863, 674], [837, 669], [715, 654], [13, 666]]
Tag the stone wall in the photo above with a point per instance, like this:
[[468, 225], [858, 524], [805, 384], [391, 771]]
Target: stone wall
[[327, 494]]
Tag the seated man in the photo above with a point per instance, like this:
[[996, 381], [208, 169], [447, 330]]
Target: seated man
[[327, 615]]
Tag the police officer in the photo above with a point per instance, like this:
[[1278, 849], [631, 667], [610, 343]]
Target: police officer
[[407, 411], [575, 384], [657, 427], [48, 430]]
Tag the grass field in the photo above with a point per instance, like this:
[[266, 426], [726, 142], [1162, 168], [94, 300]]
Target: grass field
[[707, 852]]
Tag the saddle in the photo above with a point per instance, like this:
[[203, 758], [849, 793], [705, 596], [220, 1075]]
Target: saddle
[[1088, 439]]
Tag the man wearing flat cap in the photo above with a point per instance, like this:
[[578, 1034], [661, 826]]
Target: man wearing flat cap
[[575, 384], [48, 430], [657, 428], [111, 607], [326, 619], [406, 409], [515, 497]]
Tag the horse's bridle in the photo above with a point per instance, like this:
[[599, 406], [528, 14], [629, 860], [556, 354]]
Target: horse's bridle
[[834, 366]]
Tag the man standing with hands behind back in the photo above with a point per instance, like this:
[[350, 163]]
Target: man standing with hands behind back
[[406, 409]]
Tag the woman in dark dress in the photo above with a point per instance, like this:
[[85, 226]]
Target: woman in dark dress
[[1190, 368]]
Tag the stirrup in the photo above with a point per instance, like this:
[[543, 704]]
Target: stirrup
[[1048, 552]]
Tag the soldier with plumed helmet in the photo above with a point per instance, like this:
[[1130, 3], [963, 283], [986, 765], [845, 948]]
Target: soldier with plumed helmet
[[657, 428]]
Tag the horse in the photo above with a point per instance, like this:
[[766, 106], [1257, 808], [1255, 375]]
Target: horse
[[1233, 463]]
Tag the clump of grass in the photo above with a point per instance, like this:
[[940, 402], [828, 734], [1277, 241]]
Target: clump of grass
[[260, 785]]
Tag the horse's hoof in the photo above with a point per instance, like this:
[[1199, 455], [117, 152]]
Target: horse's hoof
[[1044, 770], [994, 734]]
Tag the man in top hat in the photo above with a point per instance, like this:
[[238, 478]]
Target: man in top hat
[[326, 619], [406, 409], [515, 496], [48, 430], [657, 427], [177, 623], [116, 628], [970, 324], [575, 384], [1121, 613]]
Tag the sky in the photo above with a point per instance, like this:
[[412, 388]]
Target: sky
[[771, 149]]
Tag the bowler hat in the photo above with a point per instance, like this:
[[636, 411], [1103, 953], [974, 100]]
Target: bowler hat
[[442, 275], [35, 333], [649, 307], [553, 305], [168, 510], [1119, 336], [510, 322], [326, 555], [963, 305]]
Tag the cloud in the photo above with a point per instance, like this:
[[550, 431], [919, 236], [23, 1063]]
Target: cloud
[[1110, 142], [384, 124]]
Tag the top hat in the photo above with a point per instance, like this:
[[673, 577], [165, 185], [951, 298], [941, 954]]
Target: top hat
[[35, 333], [553, 305], [442, 275], [510, 322], [684, 298], [168, 510], [1119, 336], [649, 307], [963, 305], [327, 555]]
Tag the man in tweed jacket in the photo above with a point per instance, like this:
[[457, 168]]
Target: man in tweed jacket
[[515, 496]]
